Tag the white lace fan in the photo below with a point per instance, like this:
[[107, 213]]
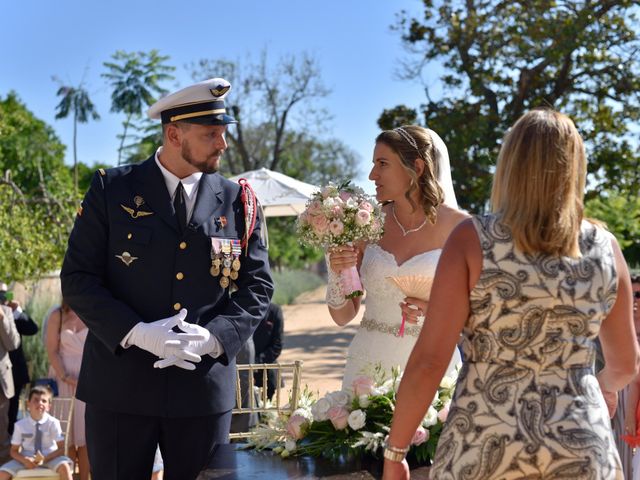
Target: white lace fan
[[416, 286]]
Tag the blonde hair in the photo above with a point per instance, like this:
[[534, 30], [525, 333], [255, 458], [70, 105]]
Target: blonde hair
[[410, 142], [538, 186]]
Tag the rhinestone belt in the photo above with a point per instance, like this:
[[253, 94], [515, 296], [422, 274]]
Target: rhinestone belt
[[371, 324]]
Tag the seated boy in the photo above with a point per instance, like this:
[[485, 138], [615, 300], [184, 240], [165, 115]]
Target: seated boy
[[37, 439]]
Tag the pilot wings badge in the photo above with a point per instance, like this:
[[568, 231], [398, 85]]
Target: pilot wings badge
[[135, 213]]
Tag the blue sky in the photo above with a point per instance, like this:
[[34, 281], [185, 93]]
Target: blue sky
[[352, 41]]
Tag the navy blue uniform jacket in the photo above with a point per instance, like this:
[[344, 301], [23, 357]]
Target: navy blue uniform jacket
[[170, 271]]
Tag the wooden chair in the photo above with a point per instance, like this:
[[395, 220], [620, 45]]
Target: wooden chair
[[259, 402], [62, 409]]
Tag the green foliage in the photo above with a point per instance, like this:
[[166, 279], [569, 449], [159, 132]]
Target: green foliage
[[504, 58], [622, 216], [36, 194], [291, 283], [35, 352], [31, 151], [136, 79]]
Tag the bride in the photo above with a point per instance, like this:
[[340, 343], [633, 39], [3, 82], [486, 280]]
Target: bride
[[413, 179]]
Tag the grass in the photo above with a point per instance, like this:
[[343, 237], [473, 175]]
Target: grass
[[291, 283]]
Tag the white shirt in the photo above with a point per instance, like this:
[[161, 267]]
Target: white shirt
[[24, 434], [190, 184]]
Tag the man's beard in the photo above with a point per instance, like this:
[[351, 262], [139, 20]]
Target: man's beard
[[206, 166]]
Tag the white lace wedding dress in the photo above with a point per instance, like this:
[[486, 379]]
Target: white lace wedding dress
[[376, 340]]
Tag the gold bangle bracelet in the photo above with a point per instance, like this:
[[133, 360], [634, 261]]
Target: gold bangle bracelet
[[393, 455], [395, 449]]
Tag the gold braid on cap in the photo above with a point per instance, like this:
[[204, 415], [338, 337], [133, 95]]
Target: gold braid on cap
[[404, 134]]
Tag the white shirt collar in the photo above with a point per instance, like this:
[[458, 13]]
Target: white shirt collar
[[189, 183], [42, 421]]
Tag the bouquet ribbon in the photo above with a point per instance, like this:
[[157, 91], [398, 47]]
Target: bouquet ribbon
[[350, 283], [401, 329]]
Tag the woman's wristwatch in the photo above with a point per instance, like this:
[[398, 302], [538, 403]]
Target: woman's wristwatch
[[395, 454]]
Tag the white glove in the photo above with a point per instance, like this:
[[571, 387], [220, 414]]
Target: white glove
[[159, 339], [208, 345]]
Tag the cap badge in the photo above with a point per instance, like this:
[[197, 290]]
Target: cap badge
[[126, 258], [219, 90]]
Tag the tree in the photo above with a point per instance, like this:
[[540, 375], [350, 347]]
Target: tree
[[280, 128], [76, 100], [136, 78], [264, 100], [36, 194], [503, 58], [622, 216]]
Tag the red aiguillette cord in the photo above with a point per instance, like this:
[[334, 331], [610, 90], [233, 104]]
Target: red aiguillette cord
[[248, 198]]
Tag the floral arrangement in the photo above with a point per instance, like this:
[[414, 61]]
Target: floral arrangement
[[339, 215], [343, 424]]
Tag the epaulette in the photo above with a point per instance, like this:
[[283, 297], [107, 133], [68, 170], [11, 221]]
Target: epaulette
[[102, 173]]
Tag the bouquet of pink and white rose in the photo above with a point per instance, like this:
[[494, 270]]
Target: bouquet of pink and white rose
[[343, 424], [339, 215]]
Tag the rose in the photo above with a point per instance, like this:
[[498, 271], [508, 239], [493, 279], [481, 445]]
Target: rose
[[420, 436], [290, 445], [436, 398], [357, 419], [366, 206], [339, 398], [320, 409], [362, 385], [363, 401], [296, 425], [337, 211], [336, 227], [339, 417], [314, 208], [363, 218], [329, 203], [320, 224], [431, 417], [447, 382], [442, 414], [344, 196]]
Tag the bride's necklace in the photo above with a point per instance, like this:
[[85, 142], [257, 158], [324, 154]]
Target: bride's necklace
[[411, 230]]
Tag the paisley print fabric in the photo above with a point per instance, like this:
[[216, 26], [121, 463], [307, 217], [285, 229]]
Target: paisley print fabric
[[527, 405]]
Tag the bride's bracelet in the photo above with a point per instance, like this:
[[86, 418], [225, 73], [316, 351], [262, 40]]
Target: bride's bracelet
[[335, 297]]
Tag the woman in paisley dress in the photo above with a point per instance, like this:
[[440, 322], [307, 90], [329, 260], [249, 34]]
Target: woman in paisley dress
[[412, 176], [530, 286]]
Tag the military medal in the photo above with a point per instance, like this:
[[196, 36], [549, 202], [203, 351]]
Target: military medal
[[215, 260], [233, 275], [236, 250], [224, 282]]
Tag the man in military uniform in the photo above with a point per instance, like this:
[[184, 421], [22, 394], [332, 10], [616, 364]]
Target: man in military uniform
[[166, 267]]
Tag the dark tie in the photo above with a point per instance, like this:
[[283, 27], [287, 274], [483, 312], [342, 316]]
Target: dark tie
[[38, 440], [180, 207]]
